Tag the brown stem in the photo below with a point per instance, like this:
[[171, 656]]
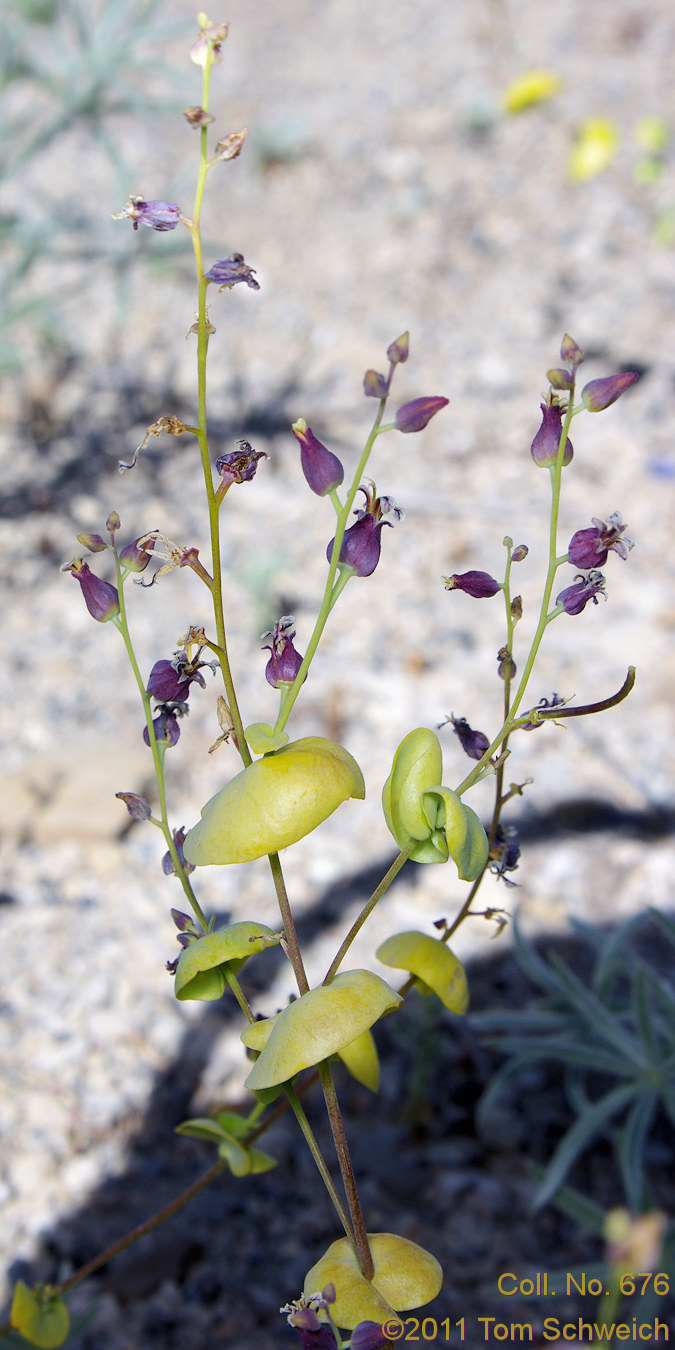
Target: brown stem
[[289, 924], [346, 1169]]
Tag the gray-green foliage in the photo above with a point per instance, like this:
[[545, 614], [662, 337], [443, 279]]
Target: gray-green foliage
[[65, 66], [614, 1039]]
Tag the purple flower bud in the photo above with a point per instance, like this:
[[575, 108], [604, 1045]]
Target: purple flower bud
[[589, 548], [137, 806], [520, 552], [314, 1335], [375, 385], [240, 465], [507, 666], [398, 351], [361, 543], [322, 469], [600, 394], [504, 853], [135, 558], [228, 271], [545, 445], [473, 743], [574, 598], [570, 352], [478, 584], [285, 662], [369, 1336], [101, 599], [158, 215], [560, 379], [166, 728], [196, 117], [113, 522], [93, 542], [415, 415]]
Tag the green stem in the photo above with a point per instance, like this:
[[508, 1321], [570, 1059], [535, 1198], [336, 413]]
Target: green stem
[[315, 1151], [367, 911], [329, 597], [121, 623]]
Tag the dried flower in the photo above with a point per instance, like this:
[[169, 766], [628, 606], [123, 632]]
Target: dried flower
[[137, 806], [226, 272], [473, 743], [168, 865], [160, 216], [240, 465], [589, 548], [574, 598]]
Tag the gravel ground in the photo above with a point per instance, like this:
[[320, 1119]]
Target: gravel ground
[[380, 190]]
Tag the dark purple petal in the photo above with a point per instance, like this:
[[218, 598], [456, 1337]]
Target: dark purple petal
[[478, 584], [360, 546], [322, 469], [574, 598], [166, 728], [369, 1336], [135, 558], [166, 684], [228, 271], [589, 548], [473, 743], [546, 443], [415, 415], [101, 599], [285, 661], [240, 465], [600, 394]]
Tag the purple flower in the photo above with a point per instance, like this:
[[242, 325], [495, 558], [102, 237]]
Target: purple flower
[[135, 558], [589, 548], [360, 547], [478, 584], [473, 743], [574, 598], [600, 394], [285, 662], [166, 727], [170, 681], [545, 445], [228, 271], [322, 469], [415, 415], [158, 215], [240, 465], [101, 599], [168, 867], [137, 806]]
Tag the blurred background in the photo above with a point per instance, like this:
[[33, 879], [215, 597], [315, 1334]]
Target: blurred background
[[487, 174]]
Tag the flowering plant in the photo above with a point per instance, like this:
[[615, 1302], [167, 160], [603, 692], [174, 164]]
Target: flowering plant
[[284, 789]]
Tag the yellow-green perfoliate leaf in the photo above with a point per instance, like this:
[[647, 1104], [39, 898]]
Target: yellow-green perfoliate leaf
[[431, 818], [406, 1276], [241, 1158], [274, 802], [436, 968], [263, 739], [40, 1315], [361, 1058], [319, 1024], [202, 967]]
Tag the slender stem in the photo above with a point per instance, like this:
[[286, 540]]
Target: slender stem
[[289, 924], [348, 1179], [367, 911], [315, 1151], [328, 597]]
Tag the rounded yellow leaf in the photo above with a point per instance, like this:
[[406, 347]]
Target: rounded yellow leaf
[[200, 972], [406, 1276], [361, 1058], [432, 962], [319, 1024], [274, 802], [41, 1318]]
